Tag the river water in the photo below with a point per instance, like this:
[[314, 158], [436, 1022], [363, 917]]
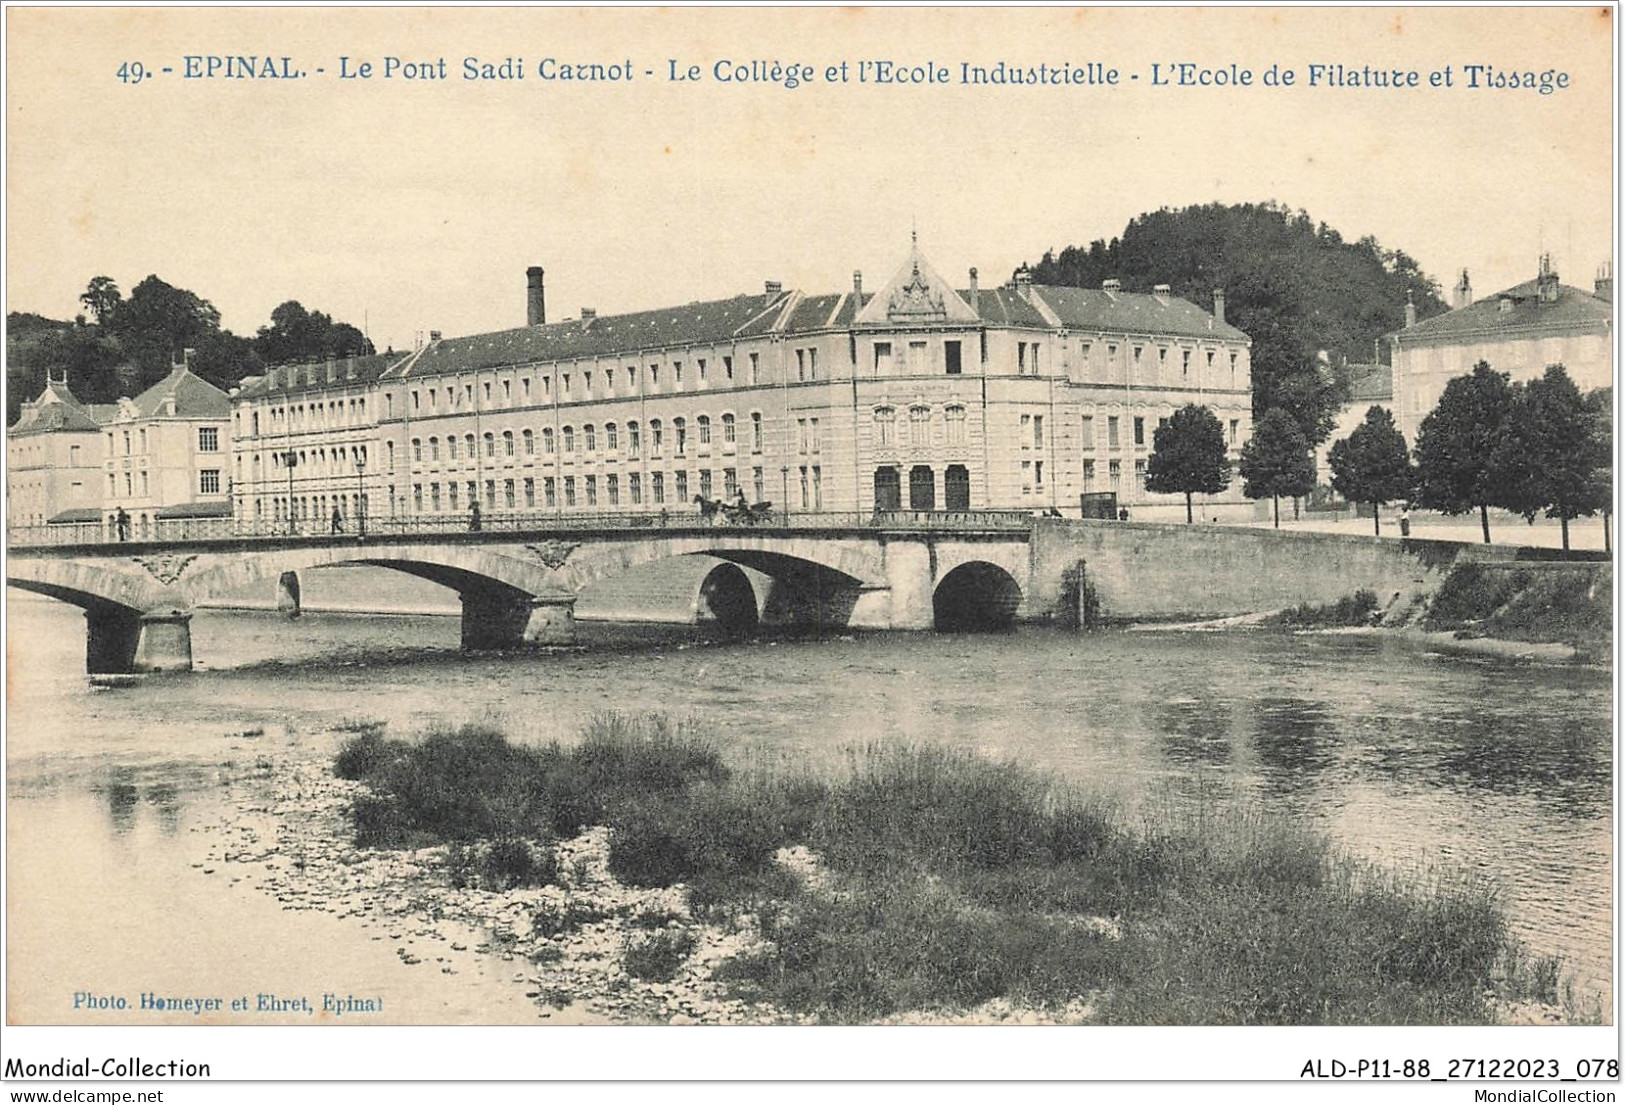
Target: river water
[[1405, 757]]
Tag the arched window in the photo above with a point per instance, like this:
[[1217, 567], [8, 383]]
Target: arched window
[[919, 425], [703, 425], [569, 441], [655, 437], [490, 445], [507, 443], [589, 434], [451, 448], [528, 439], [434, 448], [955, 419], [612, 439], [389, 455], [679, 430], [634, 439], [756, 431], [728, 432], [885, 424], [417, 448], [547, 440], [468, 442]]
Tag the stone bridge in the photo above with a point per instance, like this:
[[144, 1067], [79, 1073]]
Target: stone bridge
[[520, 588]]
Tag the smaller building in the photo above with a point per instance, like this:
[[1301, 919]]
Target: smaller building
[[54, 460], [165, 454], [1370, 385], [1519, 331]]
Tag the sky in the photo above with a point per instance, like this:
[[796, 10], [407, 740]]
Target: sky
[[413, 205]]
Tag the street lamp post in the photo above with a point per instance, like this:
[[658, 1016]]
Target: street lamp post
[[289, 459], [784, 490], [361, 497]]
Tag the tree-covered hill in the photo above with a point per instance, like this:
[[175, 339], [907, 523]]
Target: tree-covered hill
[[1295, 286]]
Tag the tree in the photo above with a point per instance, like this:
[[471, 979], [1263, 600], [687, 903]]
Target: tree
[[296, 334], [1372, 465], [1188, 455], [1550, 452], [102, 298], [1600, 406], [1275, 461], [1294, 286], [1458, 445], [159, 321]]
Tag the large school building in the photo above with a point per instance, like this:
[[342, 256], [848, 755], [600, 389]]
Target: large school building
[[914, 396]]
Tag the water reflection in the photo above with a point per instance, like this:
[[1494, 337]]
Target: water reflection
[[1294, 741]]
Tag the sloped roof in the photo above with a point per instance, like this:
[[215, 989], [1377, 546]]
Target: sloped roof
[[1371, 383], [218, 508], [312, 376], [1574, 307], [77, 514], [1133, 312], [57, 409], [916, 293], [194, 397], [702, 323]]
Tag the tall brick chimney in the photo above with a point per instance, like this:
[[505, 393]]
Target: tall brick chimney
[[535, 297], [1218, 304], [1410, 311]]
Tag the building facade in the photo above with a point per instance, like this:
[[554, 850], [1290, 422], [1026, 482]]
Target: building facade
[[916, 396], [303, 439], [165, 455], [1519, 331], [54, 460]]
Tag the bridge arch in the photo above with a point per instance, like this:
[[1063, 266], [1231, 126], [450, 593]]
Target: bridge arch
[[976, 596], [90, 585]]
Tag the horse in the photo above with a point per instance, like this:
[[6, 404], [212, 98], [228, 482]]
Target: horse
[[709, 509]]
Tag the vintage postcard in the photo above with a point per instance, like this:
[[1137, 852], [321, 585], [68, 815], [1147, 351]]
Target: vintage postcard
[[928, 521]]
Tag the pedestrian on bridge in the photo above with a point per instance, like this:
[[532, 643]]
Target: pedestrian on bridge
[[474, 516], [121, 523]]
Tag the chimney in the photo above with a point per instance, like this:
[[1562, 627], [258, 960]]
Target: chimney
[[1463, 296], [349, 367], [186, 357], [1218, 304], [1410, 311], [975, 292], [1162, 291], [1605, 281], [434, 335], [773, 287], [589, 315], [535, 297], [857, 289], [1024, 283], [332, 370]]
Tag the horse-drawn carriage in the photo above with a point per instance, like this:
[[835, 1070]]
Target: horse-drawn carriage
[[738, 513]]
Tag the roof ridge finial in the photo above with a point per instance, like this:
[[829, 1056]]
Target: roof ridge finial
[[914, 230]]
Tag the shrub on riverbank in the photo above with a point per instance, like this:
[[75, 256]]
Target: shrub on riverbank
[[1359, 608], [929, 879], [1571, 604]]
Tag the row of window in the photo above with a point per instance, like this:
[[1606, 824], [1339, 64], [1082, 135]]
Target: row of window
[[915, 428], [591, 490], [1113, 434], [308, 416], [208, 441], [208, 483], [582, 384], [508, 444]]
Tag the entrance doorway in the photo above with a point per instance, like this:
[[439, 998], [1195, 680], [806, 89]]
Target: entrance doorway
[[956, 487]]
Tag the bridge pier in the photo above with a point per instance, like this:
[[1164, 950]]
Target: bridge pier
[[120, 641], [911, 571], [503, 621], [287, 594]]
